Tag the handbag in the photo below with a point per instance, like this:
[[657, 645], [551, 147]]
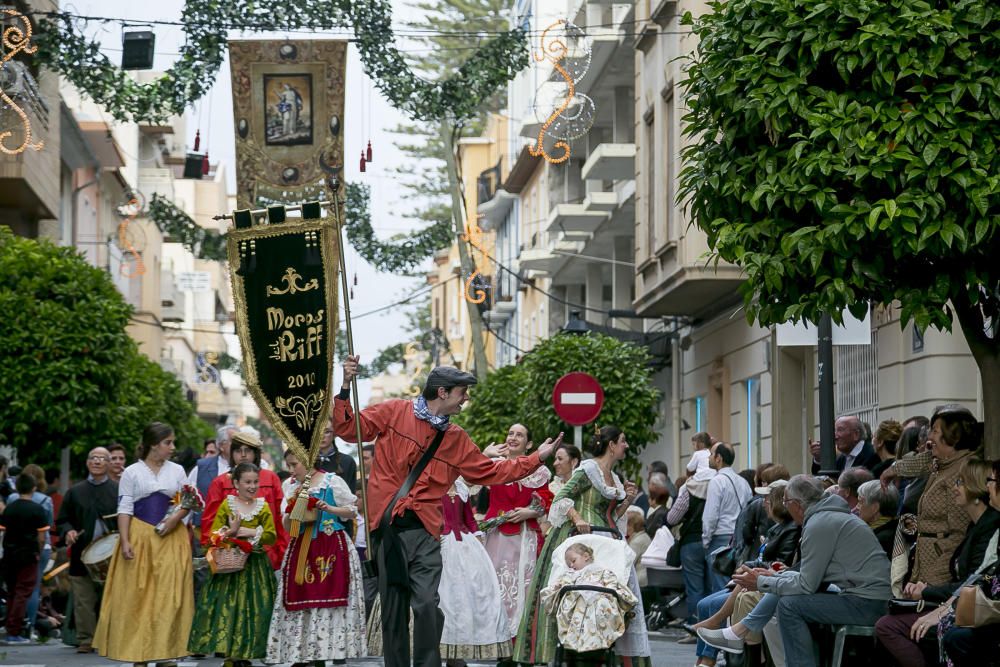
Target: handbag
[[727, 559], [975, 608], [674, 554], [906, 606], [389, 545]]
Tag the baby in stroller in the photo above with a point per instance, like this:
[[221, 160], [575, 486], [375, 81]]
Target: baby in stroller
[[591, 603]]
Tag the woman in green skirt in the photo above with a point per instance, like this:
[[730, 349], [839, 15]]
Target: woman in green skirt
[[593, 496], [234, 610]]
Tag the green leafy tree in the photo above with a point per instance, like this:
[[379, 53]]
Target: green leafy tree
[[147, 394], [845, 153], [61, 338], [523, 393], [70, 376]]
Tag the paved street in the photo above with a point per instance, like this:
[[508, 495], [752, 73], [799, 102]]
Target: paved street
[[666, 653]]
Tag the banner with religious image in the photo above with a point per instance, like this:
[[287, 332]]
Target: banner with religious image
[[284, 278], [288, 110]]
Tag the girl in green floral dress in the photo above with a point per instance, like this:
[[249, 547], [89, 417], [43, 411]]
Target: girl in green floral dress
[[593, 496], [234, 610]]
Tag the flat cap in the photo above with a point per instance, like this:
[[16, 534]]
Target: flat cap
[[448, 377], [244, 438]]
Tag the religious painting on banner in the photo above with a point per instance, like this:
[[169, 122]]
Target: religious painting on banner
[[288, 110], [284, 278]]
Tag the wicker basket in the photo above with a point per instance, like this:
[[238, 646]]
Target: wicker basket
[[224, 561]]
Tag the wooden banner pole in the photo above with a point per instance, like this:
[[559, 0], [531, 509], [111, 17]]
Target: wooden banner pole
[[334, 185]]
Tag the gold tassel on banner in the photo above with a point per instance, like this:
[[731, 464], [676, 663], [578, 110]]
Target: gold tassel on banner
[[302, 517]]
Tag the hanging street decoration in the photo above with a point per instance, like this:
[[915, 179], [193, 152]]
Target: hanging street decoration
[[565, 113], [130, 268], [206, 370], [181, 228], [288, 110], [284, 276], [16, 38], [476, 287], [68, 51], [403, 252]]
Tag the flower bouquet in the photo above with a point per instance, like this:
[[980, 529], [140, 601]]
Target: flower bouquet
[[187, 498], [502, 518]]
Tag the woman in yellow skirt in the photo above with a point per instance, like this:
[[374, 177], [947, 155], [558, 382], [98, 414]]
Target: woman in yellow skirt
[[148, 600]]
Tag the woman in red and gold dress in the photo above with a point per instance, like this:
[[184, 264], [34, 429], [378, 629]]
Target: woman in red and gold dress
[[513, 536]]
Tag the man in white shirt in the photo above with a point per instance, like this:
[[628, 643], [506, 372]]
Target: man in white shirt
[[728, 494], [702, 443]]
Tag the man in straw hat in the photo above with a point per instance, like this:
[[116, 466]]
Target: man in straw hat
[[406, 535], [246, 447]]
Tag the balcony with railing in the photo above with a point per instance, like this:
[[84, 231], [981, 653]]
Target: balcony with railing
[[494, 202], [29, 177]]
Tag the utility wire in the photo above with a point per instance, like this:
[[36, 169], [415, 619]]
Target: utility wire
[[411, 297], [407, 31]]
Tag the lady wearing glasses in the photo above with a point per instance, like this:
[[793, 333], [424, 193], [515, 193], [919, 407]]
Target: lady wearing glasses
[[977, 646], [901, 633]]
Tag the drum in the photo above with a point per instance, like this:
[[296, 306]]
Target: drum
[[97, 556]]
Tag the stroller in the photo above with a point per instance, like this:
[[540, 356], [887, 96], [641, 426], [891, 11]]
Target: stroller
[[613, 555]]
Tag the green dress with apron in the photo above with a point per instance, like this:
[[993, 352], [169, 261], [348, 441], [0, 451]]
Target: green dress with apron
[[595, 502]]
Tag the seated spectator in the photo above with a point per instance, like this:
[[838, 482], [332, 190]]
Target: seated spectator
[[661, 467], [941, 523], [758, 471], [884, 441], [849, 482], [779, 546], [843, 577], [971, 647], [897, 632], [755, 521], [659, 498], [638, 540], [877, 506]]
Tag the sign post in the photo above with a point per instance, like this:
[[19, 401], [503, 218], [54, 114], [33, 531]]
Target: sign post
[[578, 399]]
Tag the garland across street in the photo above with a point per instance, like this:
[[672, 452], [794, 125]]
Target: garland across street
[[64, 49]]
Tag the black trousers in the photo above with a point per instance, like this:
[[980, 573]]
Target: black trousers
[[972, 646], [423, 559]]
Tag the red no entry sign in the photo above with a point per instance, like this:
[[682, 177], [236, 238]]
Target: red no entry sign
[[578, 398]]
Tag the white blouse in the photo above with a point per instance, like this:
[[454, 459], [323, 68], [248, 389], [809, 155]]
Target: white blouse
[[139, 481]]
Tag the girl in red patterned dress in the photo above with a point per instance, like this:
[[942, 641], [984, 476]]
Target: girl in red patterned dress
[[513, 536]]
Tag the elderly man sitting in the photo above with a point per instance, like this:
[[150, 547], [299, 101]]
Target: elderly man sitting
[[843, 577]]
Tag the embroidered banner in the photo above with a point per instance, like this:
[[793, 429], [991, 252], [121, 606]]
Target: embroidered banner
[[284, 279], [288, 110]]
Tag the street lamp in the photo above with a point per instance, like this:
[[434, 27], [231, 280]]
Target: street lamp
[[575, 324]]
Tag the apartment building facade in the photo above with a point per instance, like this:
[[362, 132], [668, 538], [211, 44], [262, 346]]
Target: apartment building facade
[[78, 191], [726, 376]]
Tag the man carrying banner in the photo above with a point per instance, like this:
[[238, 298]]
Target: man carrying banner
[[418, 456]]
